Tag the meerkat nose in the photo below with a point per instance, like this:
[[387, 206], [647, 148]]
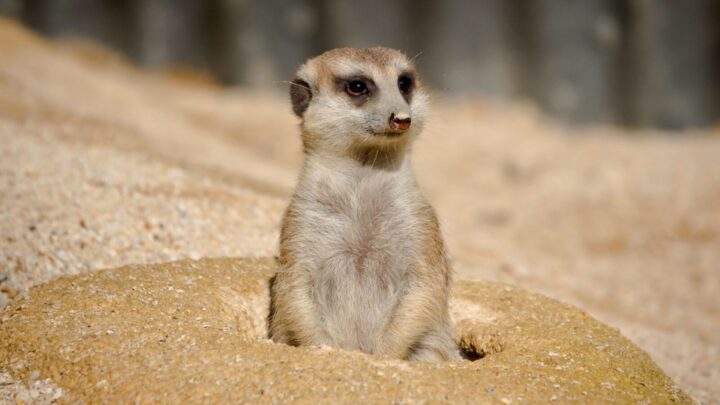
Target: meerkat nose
[[400, 121]]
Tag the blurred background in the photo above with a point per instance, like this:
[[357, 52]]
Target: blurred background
[[635, 63]]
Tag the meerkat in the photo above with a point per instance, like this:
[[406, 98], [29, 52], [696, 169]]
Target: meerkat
[[362, 262]]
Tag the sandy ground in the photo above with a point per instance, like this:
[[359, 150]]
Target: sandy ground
[[195, 331], [103, 165]]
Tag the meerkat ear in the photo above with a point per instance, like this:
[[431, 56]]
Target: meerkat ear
[[300, 96]]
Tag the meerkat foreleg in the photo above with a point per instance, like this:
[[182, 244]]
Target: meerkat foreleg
[[436, 344], [295, 319], [417, 330]]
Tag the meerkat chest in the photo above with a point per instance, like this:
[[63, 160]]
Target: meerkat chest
[[368, 225], [360, 239]]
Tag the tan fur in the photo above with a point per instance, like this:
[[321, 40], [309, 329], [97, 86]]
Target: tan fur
[[362, 261]]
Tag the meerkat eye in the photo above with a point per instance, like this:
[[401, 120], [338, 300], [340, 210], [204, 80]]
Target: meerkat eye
[[356, 87], [405, 83]]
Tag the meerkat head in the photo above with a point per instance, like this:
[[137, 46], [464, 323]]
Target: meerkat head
[[358, 98]]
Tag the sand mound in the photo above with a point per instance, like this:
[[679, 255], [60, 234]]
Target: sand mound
[[194, 331]]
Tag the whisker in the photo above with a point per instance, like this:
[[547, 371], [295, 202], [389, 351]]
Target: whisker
[[288, 82], [416, 55]]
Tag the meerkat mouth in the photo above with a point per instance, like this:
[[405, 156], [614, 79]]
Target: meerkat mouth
[[390, 134]]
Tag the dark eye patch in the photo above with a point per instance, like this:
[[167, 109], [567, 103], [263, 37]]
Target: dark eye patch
[[406, 84], [358, 88]]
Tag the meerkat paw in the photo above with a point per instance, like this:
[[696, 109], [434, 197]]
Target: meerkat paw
[[435, 355], [435, 348]]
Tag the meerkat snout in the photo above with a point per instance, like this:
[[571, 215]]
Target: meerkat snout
[[399, 121]]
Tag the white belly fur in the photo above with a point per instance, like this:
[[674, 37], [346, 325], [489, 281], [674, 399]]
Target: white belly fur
[[363, 238]]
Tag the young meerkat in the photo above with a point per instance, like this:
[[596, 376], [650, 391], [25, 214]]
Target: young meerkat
[[362, 261]]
